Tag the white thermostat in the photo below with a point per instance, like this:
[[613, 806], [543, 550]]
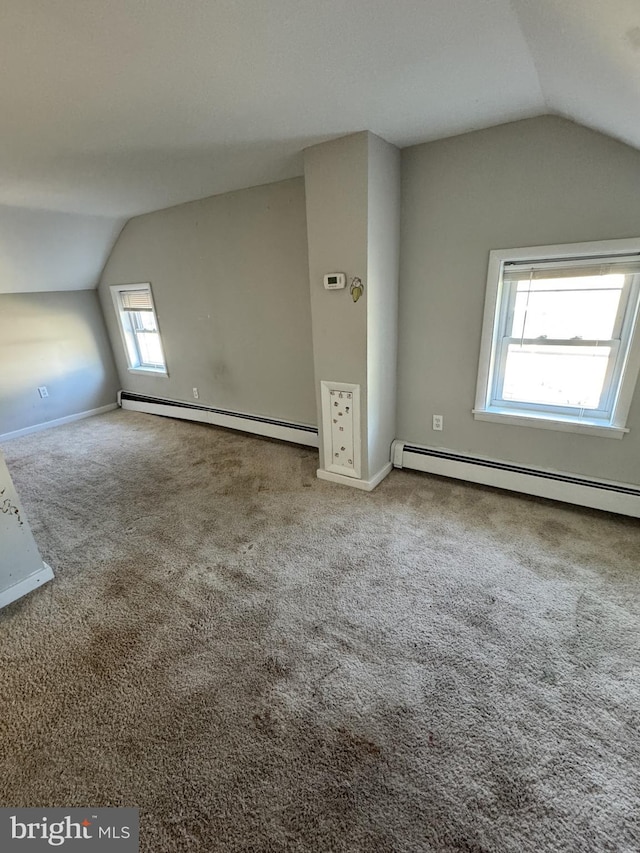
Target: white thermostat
[[335, 281]]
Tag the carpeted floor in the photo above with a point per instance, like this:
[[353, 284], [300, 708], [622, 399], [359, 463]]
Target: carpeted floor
[[261, 661]]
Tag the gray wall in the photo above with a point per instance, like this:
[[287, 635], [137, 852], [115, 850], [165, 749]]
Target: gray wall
[[58, 340], [231, 287], [353, 215], [383, 246], [534, 182], [336, 175]]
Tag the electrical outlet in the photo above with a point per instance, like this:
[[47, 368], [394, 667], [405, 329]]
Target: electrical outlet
[[196, 394], [43, 391], [438, 422]]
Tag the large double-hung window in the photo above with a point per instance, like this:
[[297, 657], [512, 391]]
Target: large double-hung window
[[559, 345]]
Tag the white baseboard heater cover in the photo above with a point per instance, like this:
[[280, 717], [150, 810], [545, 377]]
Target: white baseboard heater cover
[[610, 496], [268, 427]]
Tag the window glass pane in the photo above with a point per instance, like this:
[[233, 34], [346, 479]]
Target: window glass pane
[[144, 320], [556, 375], [576, 307], [150, 349]]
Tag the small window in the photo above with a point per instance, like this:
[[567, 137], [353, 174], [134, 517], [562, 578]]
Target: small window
[[559, 348], [139, 327]]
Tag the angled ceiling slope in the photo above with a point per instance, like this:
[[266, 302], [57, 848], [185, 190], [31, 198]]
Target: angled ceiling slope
[[42, 250], [587, 55], [112, 108], [116, 108]]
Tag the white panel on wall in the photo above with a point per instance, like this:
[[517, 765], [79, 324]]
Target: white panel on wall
[[341, 428]]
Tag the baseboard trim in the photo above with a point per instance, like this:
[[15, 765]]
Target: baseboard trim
[[607, 495], [28, 584], [363, 485], [58, 422], [254, 424]]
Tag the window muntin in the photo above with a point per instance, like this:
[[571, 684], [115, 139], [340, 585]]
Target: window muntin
[[558, 343], [139, 327]]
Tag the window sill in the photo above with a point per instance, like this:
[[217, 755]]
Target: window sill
[[503, 416], [148, 371]]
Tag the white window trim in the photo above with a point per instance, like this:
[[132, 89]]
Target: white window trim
[[116, 289], [482, 411], [150, 371]]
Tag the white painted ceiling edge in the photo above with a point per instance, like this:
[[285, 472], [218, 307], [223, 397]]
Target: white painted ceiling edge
[[112, 108]]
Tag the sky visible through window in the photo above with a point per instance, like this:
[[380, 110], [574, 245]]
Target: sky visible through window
[[148, 338], [558, 310]]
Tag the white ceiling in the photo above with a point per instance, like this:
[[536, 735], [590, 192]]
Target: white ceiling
[[116, 107]]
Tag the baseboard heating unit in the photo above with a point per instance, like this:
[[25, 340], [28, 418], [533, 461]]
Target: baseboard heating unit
[[622, 498], [268, 427]]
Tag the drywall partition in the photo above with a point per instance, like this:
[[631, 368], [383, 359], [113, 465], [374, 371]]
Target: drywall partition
[[229, 276], [336, 182], [353, 192], [383, 257], [59, 341], [540, 181]]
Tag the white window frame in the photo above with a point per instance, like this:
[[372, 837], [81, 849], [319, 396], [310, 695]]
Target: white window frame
[[613, 425], [127, 333]]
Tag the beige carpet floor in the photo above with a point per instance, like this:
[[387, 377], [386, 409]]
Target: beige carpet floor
[[261, 661]]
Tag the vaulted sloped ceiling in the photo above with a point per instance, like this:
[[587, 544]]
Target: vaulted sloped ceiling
[[48, 250], [112, 108]]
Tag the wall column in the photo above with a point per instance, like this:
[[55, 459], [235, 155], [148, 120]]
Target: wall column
[[352, 187]]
